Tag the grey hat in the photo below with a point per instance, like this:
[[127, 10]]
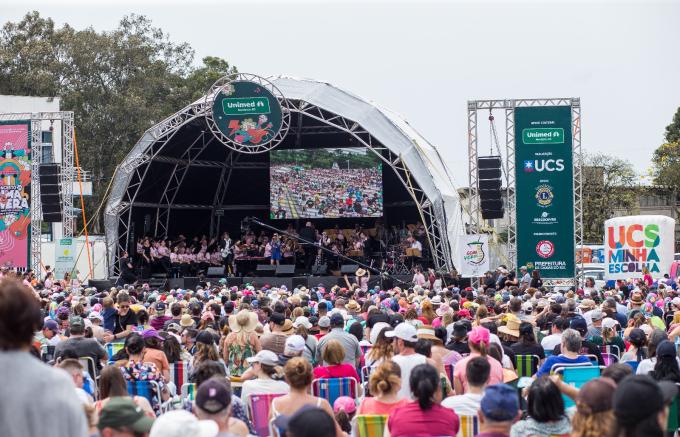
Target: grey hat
[[325, 322]]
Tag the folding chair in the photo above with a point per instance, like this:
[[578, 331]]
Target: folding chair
[[611, 349], [146, 389], [372, 425], [469, 426], [47, 353], [448, 368], [258, 406], [179, 373], [527, 365], [365, 373], [576, 376], [332, 388], [633, 364], [113, 348], [188, 391], [365, 348], [273, 430], [89, 364]]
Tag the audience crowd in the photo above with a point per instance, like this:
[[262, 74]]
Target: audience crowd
[[496, 360]]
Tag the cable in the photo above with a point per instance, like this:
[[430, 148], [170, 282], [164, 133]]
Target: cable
[[82, 203]]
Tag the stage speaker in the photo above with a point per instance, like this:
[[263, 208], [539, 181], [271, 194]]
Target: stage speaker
[[265, 270], [285, 270], [490, 187], [100, 284], [50, 192], [190, 282], [349, 269], [321, 269], [299, 281], [215, 272]]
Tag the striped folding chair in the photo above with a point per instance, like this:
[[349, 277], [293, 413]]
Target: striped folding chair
[[469, 426], [372, 425], [527, 365], [146, 389], [332, 388], [188, 391], [576, 376], [258, 406], [365, 348], [179, 373], [113, 348], [609, 354]]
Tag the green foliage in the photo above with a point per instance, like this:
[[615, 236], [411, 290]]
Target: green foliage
[[118, 83], [673, 129], [609, 183]]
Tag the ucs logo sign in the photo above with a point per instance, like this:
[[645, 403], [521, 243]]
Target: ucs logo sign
[[544, 165]]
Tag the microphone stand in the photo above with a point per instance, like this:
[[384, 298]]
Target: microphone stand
[[382, 275]]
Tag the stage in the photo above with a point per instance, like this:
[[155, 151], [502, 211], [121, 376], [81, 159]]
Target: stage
[[273, 281]]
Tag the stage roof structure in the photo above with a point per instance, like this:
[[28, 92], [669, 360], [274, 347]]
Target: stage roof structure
[[316, 108]]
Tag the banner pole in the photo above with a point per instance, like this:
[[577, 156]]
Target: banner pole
[[82, 205]]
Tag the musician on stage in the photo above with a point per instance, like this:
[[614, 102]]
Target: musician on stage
[[308, 240], [226, 250]]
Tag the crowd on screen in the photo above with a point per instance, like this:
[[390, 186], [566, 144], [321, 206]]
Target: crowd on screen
[[182, 256], [425, 359], [325, 193]]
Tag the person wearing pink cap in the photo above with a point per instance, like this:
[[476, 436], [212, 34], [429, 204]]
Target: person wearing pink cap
[[478, 340]]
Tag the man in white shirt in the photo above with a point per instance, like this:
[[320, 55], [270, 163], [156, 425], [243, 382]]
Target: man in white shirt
[[406, 337], [477, 373], [550, 341]]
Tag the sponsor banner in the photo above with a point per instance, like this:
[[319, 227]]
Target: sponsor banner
[[247, 113], [635, 243], [64, 257], [474, 255], [544, 184], [15, 194]]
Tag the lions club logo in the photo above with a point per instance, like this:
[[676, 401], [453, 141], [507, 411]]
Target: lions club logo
[[544, 195], [545, 248]]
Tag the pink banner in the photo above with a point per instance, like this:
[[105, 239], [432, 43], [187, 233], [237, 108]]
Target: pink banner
[[15, 194]]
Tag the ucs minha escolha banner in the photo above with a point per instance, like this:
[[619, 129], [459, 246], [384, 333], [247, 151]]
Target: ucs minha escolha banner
[[635, 242]]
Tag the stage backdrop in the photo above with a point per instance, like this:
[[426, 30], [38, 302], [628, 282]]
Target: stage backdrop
[[474, 253], [15, 191], [638, 241], [544, 181]]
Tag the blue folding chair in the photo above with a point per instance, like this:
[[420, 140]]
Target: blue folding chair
[[633, 364], [113, 348], [150, 390], [576, 376], [332, 388]]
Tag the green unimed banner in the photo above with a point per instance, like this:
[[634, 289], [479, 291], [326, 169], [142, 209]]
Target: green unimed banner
[[544, 182]]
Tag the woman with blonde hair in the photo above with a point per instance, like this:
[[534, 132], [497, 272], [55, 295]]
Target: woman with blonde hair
[[427, 312], [481, 314], [384, 385], [206, 350], [242, 343], [594, 415]]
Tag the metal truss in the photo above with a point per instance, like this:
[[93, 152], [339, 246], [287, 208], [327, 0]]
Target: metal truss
[[509, 105], [135, 169], [67, 176]]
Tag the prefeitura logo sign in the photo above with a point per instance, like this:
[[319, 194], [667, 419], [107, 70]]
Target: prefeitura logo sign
[[248, 113]]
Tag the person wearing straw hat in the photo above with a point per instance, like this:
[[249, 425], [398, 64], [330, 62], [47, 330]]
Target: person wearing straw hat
[[242, 342], [511, 328], [361, 280]]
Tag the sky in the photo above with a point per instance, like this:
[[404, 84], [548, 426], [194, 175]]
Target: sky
[[425, 60]]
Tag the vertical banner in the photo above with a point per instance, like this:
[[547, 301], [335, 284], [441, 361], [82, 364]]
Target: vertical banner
[[475, 255], [64, 257], [15, 194], [638, 242], [544, 189]]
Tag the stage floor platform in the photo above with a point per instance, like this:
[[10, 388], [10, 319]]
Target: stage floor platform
[[273, 281]]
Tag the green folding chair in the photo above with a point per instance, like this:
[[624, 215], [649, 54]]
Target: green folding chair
[[527, 365], [372, 425]]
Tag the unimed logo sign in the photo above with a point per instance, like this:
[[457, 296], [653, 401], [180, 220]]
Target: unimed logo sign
[[543, 135], [245, 105]]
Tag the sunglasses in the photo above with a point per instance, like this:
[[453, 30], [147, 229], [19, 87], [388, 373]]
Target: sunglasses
[[123, 306]]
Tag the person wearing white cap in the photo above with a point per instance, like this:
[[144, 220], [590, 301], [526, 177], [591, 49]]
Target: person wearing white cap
[[97, 329], [264, 365], [405, 336], [302, 326], [182, 423]]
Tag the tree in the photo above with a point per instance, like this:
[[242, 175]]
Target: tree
[[118, 83], [608, 184], [666, 158], [673, 129]]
